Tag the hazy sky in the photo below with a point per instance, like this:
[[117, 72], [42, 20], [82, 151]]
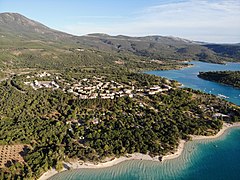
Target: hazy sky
[[203, 20]]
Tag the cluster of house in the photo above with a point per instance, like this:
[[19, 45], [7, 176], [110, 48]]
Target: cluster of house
[[96, 87], [44, 74], [42, 84], [156, 89], [99, 88]]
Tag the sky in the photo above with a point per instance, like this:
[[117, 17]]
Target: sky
[[201, 20]]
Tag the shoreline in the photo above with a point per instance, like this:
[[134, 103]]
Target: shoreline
[[135, 156], [225, 127]]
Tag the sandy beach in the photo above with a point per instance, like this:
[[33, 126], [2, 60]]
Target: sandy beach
[[135, 156], [221, 132], [78, 165]]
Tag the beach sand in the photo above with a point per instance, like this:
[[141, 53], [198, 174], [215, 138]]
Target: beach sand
[[135, 156], [78, 165], [221, 132]]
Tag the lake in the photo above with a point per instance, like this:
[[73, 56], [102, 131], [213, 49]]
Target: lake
[[188, 77]]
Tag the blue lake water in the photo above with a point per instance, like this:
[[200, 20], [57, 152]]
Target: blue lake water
[[188, 77], [203, 159]]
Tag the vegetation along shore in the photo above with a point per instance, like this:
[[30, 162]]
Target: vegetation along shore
[[136, 156], [231, 78]]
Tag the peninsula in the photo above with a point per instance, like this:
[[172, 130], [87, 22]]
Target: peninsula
[[231, 78], [136, 156]]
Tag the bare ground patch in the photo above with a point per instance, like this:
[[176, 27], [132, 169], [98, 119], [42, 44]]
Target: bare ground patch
[[11, 153]]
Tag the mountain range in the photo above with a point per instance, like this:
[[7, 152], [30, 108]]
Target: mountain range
[[16, 31]]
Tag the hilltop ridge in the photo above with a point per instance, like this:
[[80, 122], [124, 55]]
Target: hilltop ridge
[[16, 27], [15, 24]]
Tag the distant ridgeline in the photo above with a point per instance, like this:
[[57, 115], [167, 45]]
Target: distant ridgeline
[[231, 78]]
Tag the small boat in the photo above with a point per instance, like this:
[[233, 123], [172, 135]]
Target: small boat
[[222, 96]]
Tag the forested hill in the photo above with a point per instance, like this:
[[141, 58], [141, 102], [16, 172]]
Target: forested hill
[[227, 50], [16, 29], [55, 125], [14, 25], [162, 47], [231, 78]]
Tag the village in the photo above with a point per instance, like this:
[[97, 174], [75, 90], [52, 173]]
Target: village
[[95, 87]]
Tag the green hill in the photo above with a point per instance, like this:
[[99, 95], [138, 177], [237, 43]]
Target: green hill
[[231, 78], [18, 34]]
